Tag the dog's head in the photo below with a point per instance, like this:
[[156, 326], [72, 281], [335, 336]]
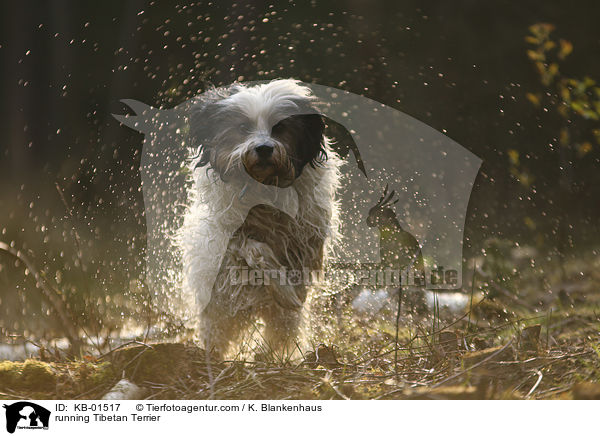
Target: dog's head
[[271, 131]]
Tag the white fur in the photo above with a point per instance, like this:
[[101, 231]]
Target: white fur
[[218, 208]]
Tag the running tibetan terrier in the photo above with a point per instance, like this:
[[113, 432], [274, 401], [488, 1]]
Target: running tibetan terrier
[[264, 202]]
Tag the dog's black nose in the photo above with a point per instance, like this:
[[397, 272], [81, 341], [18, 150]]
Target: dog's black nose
[[264, 150]]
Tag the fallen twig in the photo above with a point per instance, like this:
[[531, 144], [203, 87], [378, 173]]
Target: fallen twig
[[491, 356], [537, 383]]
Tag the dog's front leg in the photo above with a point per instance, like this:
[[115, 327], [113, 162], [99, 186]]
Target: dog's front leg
[[220, 328], [281, 330]]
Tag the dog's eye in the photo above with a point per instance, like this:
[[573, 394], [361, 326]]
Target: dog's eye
[[245, 127]]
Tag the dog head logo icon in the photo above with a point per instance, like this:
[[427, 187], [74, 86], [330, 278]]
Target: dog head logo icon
[[26, 415]]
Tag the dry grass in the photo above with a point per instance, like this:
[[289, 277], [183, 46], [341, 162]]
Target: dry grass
[[468, 358], [505, 345]]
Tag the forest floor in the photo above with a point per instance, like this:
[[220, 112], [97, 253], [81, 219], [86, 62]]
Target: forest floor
[[536, 336]]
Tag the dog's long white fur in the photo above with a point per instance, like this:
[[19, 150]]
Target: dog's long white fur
[[218, 208]]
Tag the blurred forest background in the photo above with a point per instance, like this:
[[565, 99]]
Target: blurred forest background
[[524, 99]]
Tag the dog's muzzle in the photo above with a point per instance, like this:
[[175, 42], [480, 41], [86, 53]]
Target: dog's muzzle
[[264, 151], [267, 163]]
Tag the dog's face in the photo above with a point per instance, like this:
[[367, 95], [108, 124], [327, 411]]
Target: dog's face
[[271, 131]]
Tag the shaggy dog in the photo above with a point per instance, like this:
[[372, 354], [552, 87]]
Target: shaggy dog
[[263, 201]]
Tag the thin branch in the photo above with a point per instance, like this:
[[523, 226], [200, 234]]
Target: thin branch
[[537, 383], [53, 295], [397, 329]]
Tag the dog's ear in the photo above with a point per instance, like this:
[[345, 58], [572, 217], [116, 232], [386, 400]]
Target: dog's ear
[[343, 143], [313, 141], [200, 129], [201, 118]]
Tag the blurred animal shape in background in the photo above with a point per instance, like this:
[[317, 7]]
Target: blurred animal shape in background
[[398, 249]]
